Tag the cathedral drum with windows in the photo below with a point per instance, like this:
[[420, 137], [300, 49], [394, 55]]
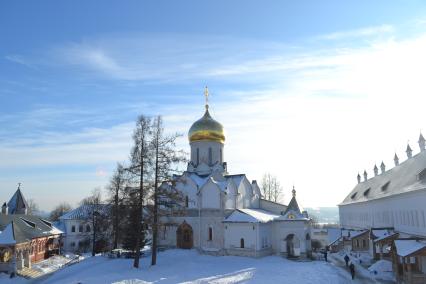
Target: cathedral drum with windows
[[224, 214]]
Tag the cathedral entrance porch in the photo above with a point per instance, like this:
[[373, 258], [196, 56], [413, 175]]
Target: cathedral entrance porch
[[292, 246], [184, 236]]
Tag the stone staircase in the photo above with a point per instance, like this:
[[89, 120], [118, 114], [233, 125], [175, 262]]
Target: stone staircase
[[29, 273]]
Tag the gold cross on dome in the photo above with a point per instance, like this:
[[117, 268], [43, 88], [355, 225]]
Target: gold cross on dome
[[206, 94]]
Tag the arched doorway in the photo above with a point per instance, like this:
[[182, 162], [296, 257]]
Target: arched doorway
[[184, 236], [292, 245]]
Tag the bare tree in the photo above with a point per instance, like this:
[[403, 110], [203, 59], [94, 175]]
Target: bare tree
[[98, 216], [116, 190], [271, 188], [140, 158], [59, 210], [165, 157], [33, 208]]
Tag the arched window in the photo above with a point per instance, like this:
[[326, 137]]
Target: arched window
[[186, 201], [210, 156], [221, 157], [198, 156], [87, 228], [242, 243], [80, 228], [73, 228], [210, 233]]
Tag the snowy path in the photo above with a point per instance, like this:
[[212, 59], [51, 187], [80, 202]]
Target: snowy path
[[359, 277], [187, 266]]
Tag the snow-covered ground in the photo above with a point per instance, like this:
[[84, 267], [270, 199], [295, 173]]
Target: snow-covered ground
[[188, 266]]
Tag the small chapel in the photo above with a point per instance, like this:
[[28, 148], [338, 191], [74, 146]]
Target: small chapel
[[225, 214]]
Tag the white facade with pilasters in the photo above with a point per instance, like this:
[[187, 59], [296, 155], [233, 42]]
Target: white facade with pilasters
[[224, 214]]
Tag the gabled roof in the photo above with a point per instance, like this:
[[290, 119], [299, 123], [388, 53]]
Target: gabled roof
[[250, 216], [409, 247], [7, 236], [84, 211], [27, 227], [17, 202], [398, 180], [237, 179]]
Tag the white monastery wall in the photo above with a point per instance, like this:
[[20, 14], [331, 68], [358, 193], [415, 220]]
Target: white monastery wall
[[405, 212]]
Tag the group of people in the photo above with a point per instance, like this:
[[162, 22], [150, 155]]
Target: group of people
[[351, 266], [347, 260]]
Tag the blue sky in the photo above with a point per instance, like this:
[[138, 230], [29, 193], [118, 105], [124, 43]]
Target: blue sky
[[312, 91]]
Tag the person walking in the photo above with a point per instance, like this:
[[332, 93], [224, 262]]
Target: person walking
[[352, 269], [347, 260], [325, 255]]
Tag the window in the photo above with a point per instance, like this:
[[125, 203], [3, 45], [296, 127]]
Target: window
[[422, 175], [80, 228], [198, 156], [367, 191], [210, 233], [73, 228], [186, 201], [364, 243], [210, 156], [385, 186], [73, 244], [353, 195], [87, 228], [242, 243], [221, 157]]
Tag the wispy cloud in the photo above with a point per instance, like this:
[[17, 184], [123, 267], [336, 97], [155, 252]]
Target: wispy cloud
[[313, 115], [357, 33], [19, 59]]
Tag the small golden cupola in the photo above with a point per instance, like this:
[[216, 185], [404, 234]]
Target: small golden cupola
[[206, 128]]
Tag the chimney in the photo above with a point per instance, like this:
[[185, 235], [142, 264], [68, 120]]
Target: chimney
[[4, 209], [358, 177], [422, 142], [409, 151], [376, 170], [396, 160], [382, 167], [365, 175]]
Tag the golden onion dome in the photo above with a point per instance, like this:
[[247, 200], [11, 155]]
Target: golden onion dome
[[206, 129]]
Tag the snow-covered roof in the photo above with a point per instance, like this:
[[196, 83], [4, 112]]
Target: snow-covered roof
[[400, 179], [27, 227], [7, 237], [85, 211], [408, 247], [381, 234], [355, 234], [199, 180], [251, 216]]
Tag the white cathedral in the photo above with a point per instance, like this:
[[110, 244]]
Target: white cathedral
[[225, 214]]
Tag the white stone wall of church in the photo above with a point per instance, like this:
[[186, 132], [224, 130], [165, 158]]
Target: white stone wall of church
[[210, 196], [234, 232], [217, 241], [405, 212], [215, 222], [272, 206], [245, 193], [203, 149], [281, 230], [230, 197], [189, 189]]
